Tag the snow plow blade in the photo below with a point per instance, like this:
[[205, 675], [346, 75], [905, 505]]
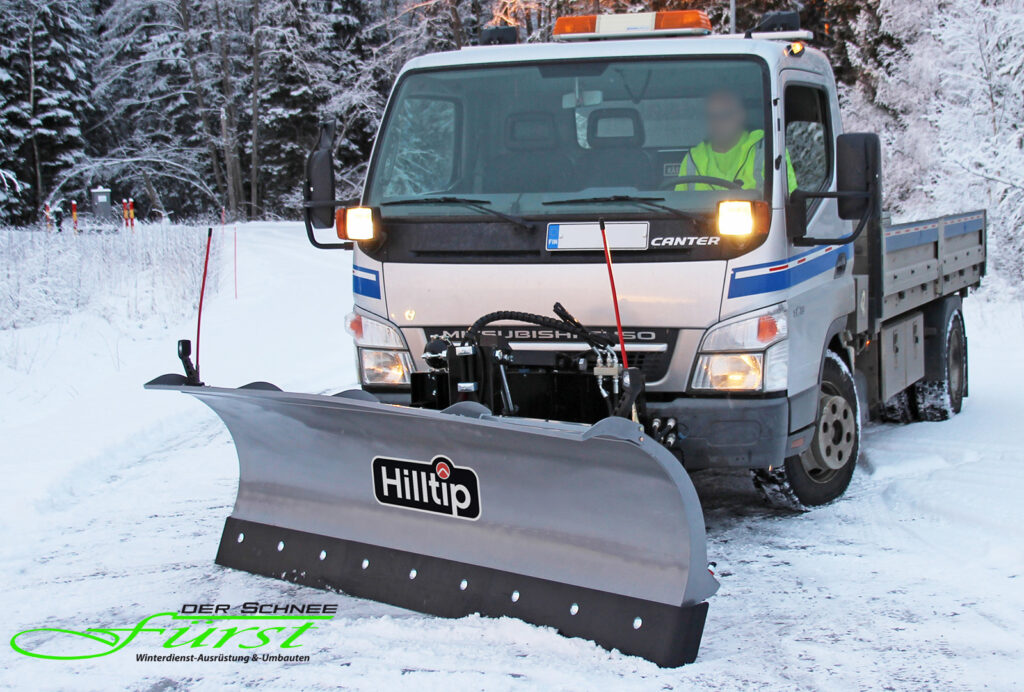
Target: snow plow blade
[[593, 530]]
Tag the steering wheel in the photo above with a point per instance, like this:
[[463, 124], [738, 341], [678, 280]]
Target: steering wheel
[[704, 179]]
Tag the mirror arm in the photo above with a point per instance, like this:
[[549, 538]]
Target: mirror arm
[[307, 208], [335, 203], [801, 197]]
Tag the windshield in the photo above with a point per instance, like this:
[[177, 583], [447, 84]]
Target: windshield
[[516, 138]]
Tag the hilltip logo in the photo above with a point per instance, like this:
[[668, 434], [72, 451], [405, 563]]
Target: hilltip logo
[[437, 486], [196, 628]]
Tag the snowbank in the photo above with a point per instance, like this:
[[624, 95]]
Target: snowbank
[[127, 277]]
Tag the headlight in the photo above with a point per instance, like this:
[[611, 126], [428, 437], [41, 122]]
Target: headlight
[[729, 371], [370, 332], [385, 367], [750, 354], [383, 356], [358, 224], [743, 219], [735, 218]]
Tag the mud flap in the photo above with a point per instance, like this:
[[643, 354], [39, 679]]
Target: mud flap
[[594, 530]]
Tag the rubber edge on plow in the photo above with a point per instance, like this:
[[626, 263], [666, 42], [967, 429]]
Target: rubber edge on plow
[[665, 634]]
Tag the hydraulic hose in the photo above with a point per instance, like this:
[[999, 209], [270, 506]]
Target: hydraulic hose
[[574, 328]]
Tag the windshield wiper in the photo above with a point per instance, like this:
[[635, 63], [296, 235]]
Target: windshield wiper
[[649, 202], [476, 204]]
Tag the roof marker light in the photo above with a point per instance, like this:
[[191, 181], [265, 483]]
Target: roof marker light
[[682, 19], [674, 22], [586, 24]]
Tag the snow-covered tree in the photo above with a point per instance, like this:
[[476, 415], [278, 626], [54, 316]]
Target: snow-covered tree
[[14, 129], [311, 56], [947, 95], [45, 84], [976, 115], [151, 141]]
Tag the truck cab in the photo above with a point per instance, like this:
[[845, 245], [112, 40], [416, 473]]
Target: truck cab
[[744, 228]]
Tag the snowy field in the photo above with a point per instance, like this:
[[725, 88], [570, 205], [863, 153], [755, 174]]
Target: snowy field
[[114, 499]]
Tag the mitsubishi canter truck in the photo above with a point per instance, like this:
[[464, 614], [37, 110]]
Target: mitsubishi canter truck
[[765, 299]]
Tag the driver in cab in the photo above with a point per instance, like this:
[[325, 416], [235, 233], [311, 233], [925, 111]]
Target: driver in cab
[[731, 152]]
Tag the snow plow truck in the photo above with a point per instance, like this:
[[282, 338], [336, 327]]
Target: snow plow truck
[[582, 270]]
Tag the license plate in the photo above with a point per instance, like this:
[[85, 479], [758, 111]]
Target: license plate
[[586, 235]]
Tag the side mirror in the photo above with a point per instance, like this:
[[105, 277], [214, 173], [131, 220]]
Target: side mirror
[[858, 190], [320, 178], [859, 170], [319, 206]]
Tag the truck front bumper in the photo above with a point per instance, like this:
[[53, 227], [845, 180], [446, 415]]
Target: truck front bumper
[[716, 432], [734, 432]]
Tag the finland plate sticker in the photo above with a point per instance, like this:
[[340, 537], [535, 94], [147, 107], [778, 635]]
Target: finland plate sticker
[[586, 235]]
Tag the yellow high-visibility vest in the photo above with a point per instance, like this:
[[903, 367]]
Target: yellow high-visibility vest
[[744, 163]]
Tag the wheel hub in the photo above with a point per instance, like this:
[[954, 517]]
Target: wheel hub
[[837, 432]]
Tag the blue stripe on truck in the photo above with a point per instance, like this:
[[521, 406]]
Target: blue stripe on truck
[[900, 239], [366, 282], [970, 225], [778, 276], [913, 234]]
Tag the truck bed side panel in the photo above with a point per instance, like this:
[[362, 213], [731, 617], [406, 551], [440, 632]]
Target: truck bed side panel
[[925, 260]]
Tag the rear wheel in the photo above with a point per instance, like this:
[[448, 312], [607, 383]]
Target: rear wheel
[[823, 471], [898, 409], [942, 399]]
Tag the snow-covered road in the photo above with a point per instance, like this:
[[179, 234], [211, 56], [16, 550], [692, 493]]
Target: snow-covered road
[[114, 499]]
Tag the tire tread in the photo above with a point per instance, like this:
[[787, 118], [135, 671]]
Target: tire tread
[[777, 487]]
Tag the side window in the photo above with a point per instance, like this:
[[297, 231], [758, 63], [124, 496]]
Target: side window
[[423, 150], [808, 138]]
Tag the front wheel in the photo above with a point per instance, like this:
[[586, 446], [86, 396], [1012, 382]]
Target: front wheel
[[822, 472]]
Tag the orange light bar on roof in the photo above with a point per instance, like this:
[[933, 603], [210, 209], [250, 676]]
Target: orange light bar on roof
[[682, 19], [679, 22], [586, 24]]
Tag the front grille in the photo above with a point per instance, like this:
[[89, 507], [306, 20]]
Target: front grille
[[654, 366]]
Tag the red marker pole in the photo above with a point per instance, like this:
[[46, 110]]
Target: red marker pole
[[131, 212], [74, 215], [202, 293], [124, 211], [615, 295], [49, 218]]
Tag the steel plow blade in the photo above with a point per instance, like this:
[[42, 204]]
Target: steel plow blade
[[594, 530]]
